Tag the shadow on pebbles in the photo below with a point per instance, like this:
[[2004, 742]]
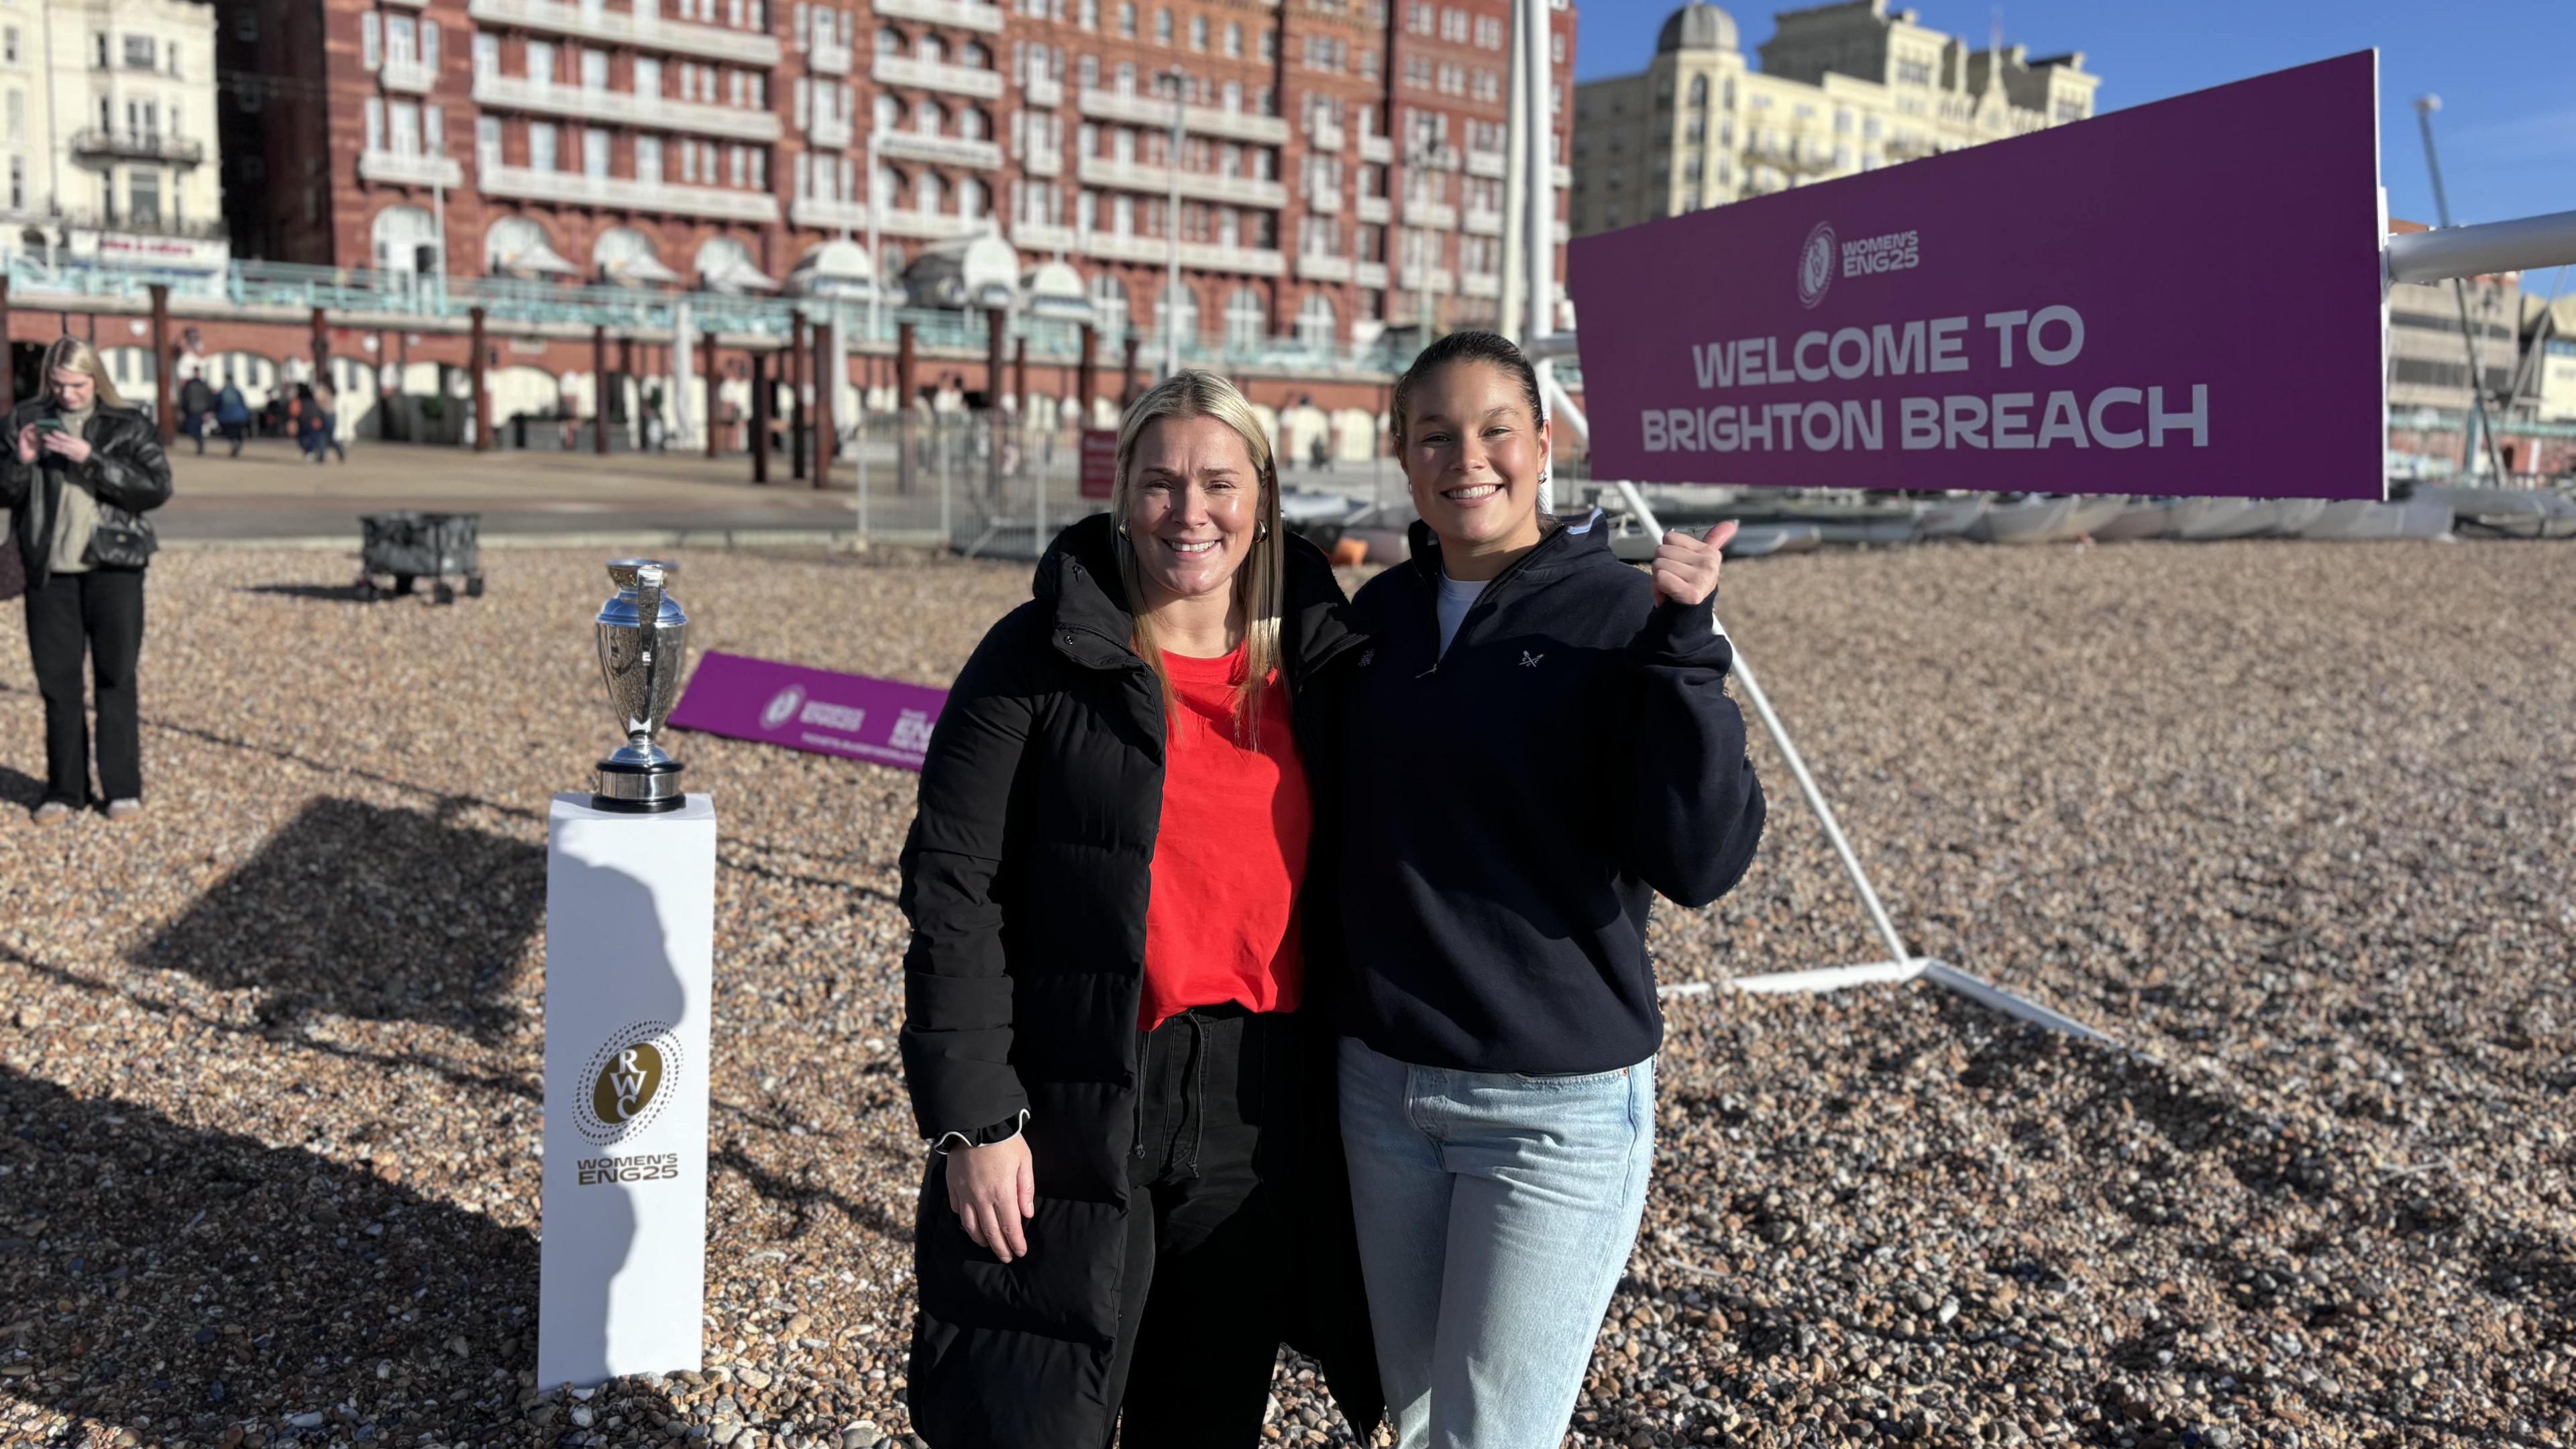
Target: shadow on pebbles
[[2290, 822]]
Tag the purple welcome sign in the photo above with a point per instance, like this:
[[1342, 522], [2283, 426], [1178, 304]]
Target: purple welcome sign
[[882, 720], [2180, 298]]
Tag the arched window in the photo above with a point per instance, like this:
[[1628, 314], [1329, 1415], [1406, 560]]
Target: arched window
[[516, 244], [1729, 97], [889, 186], [1182, 308], [970, 198], [1317, 325], [889, 41], [1109, 306], [928, 117], [624, 254], [1699, 92], [399, 234], [889, 112], [933, 49], [1243, 320], [927, 193], [972, 124], [975, 57]]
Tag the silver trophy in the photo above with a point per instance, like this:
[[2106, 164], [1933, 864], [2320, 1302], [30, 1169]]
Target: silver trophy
[[643, 644]]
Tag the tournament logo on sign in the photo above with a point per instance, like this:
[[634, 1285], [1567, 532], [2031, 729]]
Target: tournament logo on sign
[[1816, 264], [782, 706], [629, 1080]]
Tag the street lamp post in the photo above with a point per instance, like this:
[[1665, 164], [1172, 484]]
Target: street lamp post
[[1172, 223]]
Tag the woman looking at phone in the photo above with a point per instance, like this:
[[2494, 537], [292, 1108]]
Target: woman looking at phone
[[1135, 1193], [83, 471], [1537, 743]]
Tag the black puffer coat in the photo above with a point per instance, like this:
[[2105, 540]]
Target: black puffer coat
[[1025, 878], [127, 473]]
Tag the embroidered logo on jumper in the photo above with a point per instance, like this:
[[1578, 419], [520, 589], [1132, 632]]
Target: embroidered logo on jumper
[[1529, 660]]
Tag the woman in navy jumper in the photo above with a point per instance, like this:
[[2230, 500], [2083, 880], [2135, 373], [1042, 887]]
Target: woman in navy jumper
[[1538, 742]]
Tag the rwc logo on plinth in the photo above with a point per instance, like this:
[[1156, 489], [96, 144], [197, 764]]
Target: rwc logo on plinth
[[859, 716]]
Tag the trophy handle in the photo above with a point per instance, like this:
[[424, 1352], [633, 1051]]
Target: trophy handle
[[648, 638]]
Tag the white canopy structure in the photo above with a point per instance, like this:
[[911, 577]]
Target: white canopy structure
[[624, 255], [518, 245], [726, 266], [1054, 290], [838, 268], [975, 271]]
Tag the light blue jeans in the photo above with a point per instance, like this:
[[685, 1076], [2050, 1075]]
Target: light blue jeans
[[1495, 1214]]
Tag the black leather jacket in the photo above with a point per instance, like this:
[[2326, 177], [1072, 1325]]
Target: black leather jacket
[[127, 473]]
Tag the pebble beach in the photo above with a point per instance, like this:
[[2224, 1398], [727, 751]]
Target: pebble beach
[[2293, 824]]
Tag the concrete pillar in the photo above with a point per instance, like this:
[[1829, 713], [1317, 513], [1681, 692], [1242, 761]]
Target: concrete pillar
[[760, 407], [599, 390], [794, 366], [825, 369], [482, 399]]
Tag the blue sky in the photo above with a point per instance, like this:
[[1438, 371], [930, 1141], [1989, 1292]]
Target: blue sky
[[2507, 128]]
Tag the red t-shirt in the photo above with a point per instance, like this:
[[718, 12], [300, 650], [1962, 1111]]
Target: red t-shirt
[[1222, 922]]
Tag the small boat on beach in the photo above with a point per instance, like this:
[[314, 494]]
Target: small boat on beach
[[2143, 518], [2030, 518], [2087, 515], [1949, 517], [2204, 520], [2360, 520]]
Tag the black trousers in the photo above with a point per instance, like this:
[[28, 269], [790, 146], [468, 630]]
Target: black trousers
[[1220, 1134], [98, 616]]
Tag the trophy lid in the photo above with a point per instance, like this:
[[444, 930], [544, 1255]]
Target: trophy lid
[[621, 572]]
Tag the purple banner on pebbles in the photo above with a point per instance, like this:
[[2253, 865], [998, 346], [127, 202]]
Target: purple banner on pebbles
[[884, 721], [2100, 307]]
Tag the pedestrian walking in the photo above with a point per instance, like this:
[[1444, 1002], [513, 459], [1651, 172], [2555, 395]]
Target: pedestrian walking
[[302, 419], [232, 414], [1135, 1192], [196, 406], [84, 471], [326, 421], [1500, 1022]]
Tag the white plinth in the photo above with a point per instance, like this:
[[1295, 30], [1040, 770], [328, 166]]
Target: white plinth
[[630, 948]]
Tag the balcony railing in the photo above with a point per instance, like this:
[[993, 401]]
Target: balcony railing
[[1324, 200], [1317, 267], [644, 28], [1206, 186], [407, 73], [1375, 209], [1326, 134], [825, 54], [1044, 160], [954, 150], [930, 225], [936, 75], [828, 214], [1043, 90], [1480, 222], [1370, 274], [395, 168], [138, 146], [580, 102], [1480, 284], [1487, 163], [1378, 149], [1204, 256], [1437, 215], [626, 193], [964, 14], [1136, 110], [1039, 236], [824, 130]]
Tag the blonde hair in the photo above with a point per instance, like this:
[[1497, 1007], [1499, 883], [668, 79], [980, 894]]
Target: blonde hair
[[78, 355], [1258, 583]]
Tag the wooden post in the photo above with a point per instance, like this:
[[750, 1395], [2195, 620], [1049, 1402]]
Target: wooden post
[[825, 361], [903, 419], [1087, 381], [321, 349], [794, 367], [760, 406], [707, 354], [8, 358], [599, 390], [1020, 370], [161, 413], [482, 400]]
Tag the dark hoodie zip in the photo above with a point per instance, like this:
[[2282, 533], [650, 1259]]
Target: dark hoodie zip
[[1484, 604]]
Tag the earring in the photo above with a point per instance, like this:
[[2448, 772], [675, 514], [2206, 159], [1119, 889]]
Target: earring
[[1122, 528], [1261, 530]]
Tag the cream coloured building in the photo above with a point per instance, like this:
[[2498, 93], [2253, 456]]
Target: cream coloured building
[[109, 115], [1841, 88]]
